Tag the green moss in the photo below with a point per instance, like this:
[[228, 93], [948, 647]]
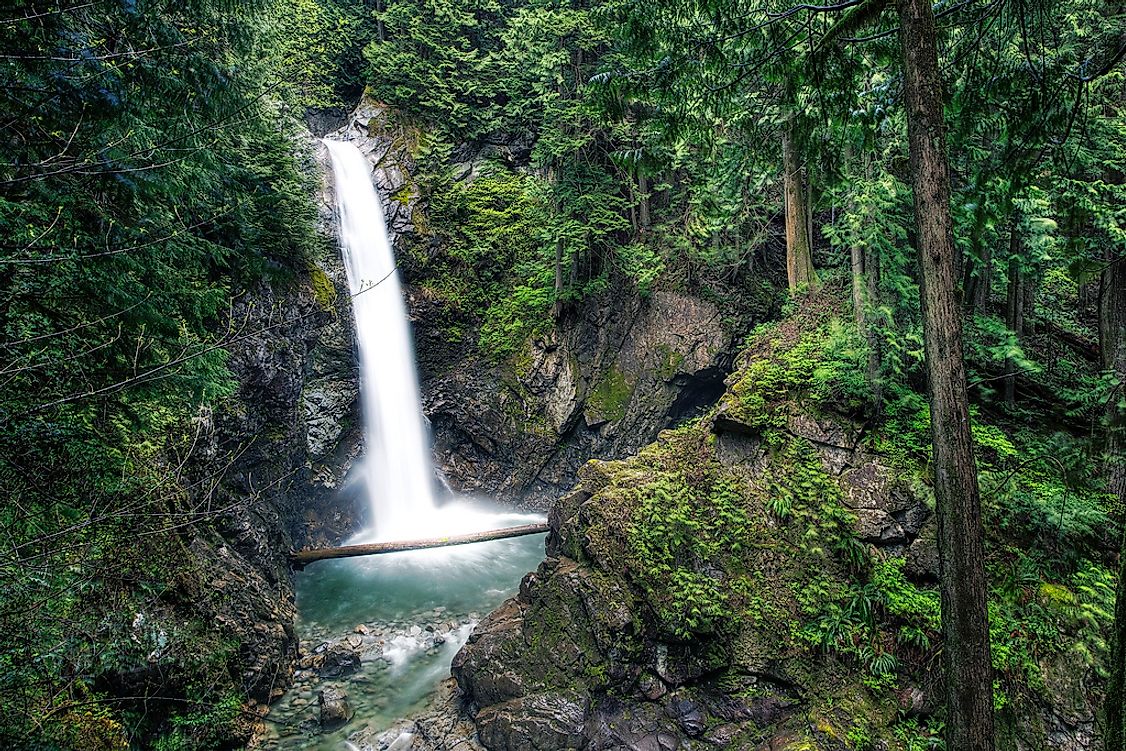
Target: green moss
[[608, 400], [402, 196], [822, 365], [324, 291], [670, 360], [761, 563]]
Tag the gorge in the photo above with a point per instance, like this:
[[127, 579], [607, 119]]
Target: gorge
[[797, 328]]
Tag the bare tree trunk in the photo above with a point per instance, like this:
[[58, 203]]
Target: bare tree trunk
[[301, 558], [808, 213], [875, 343], [1112, 341], [1014, 312], [962, 583], [632, 207], [799, 260], [978, 279], [643, 200], [984, 286], [857, 264], [1112, 344], [1029, 284], [557, 309]]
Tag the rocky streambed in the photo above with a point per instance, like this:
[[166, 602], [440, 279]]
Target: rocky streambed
[[361, 683], [377, 637]]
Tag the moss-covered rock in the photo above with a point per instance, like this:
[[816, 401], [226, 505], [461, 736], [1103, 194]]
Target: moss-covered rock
[[751, 580]]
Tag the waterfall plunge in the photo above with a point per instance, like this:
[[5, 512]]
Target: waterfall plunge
[[397, 471]]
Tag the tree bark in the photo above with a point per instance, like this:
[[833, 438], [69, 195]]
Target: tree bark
[[978, 284], [1029, 284], [872, 334], [984, 287], [643, 200], [1014, 312], [302, 557], [1112, 341], [799, 259], [858, 289], [557, 308], [962, 582]]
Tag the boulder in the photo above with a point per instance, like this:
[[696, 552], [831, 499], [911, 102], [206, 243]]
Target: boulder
[[337, 661], [335, 710]]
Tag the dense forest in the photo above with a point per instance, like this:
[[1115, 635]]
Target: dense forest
[[911, 216]]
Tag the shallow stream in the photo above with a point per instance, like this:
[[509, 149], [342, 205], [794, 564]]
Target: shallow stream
[[405, 615]]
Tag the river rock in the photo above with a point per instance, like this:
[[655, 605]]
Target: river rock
[[335, 710], [337, 660]]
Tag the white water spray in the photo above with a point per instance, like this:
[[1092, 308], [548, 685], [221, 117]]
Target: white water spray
[[398, 471]]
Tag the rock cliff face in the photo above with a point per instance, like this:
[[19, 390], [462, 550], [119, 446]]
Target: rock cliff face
[[613, 375], [274, 459], [615, 371], [256, 460], [270, 462], [759, 580]]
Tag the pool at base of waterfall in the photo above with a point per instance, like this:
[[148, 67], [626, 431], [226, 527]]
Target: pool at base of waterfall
[[384, 629]]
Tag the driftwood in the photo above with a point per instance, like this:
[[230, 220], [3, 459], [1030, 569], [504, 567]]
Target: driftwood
[[300, 558]]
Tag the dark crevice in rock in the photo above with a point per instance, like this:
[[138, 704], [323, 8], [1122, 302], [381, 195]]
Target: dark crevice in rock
[[697, 393]]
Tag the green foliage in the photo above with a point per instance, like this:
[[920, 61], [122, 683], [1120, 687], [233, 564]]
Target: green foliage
[[203, 727], [316, 49], [492, 269], [823, 365], [435, 59], [685, 539], [147, 178], [860, 619]]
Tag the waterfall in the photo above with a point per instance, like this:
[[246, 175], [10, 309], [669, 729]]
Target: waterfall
[[397, 470]]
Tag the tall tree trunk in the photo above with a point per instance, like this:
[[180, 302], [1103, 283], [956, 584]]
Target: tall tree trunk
[[799, 259], [381, 33], [1112, 341], [643, 200], [962, 583], [632, 206], [983, 289], [557, 308], [1112, 344], [857, 264], [858, 288], [1014, 312], [978, 277], [872, 333], [1029, 284]]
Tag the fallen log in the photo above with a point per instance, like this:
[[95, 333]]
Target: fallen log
[[300, 558]]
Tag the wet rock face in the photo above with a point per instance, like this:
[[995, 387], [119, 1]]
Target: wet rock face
[[272, 457], [616, 372]]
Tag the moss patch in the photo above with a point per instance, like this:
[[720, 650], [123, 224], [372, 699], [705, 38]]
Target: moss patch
[[670, 361], [324, 291], [608, 400]]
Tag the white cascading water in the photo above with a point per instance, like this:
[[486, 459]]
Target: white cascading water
[[398, 471], [397, 595]]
